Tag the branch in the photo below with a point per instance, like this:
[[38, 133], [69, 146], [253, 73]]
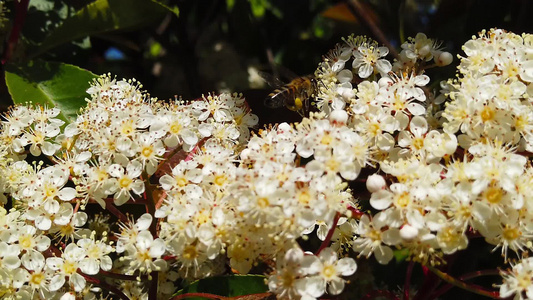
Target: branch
[[459, 283], [105, 286], [407, 284], [21, 9], [362, 14], [466, 276], [326, 241]]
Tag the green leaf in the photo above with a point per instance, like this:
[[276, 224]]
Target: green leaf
[[50, 84], [401, 254], [228, 286], [230, 4], [104, 16]]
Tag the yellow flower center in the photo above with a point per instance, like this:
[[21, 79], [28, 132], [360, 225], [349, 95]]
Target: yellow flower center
[[69, 267], [418, 143], [36, 278], [487, 114], [511, 233], [332, 164], [202, 217], [143, 256], [26, 241], [175, 128], [326, 139], [403, 200], [50, 191], [263, 202], [220, 179], [125, 182], [374, 129], [127, 128], [190, 253], [147, 151], [181, 181], [493, 194], [304, 197], [329, 272]]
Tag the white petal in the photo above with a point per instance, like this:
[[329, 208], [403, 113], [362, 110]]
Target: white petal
[[43, 222], [328, 256], [67, 194], [77, 281], [144, 222], [380, 200], [383, 255], [346, 266], [89, 266], [157, 248], [336, 286], [416, 109], [365, 70], [56, 283]]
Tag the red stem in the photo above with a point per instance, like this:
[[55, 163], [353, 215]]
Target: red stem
[[474, 288], [203, 295], [21, 9], [105, 286], [380, 293], [114, 210], [407, 284], [326, 241], [356, 214], [121, 276], [463, 277]]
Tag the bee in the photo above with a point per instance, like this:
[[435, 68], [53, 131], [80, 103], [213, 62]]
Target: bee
[[295, 95]]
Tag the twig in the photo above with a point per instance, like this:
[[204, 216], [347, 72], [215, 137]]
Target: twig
[[21, 9], [362, 14], [459, 283], [105, 286], [326, 241], [407, 284], [466, 276]]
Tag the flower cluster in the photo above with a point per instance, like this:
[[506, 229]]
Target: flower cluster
[[204, 195], [491, 99]]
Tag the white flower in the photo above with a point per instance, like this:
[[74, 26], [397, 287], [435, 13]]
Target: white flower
[[97, 256], [145, 254], [66, 266], [330, 269], [518, 281], [125, 181], [289, 281], [371, 237], [368, 59]]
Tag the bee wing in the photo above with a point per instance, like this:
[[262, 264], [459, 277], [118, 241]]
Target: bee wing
[[275, 99], [271, 79]]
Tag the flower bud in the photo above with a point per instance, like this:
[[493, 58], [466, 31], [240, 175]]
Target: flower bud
[[443, 59], [408, 232], [338, 116], [375, 183]]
